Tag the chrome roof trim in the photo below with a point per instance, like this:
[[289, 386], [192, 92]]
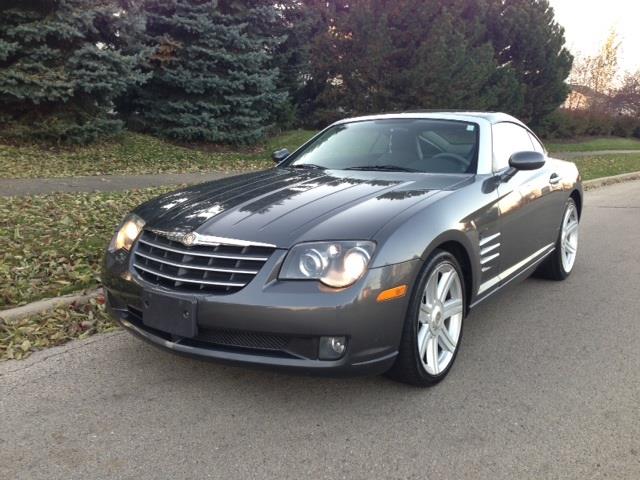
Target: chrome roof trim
[[467, 116]]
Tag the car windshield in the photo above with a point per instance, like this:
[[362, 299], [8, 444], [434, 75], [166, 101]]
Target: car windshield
[[410, 145]]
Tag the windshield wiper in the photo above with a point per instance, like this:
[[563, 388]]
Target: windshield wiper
[[388, 168], [311, 166]]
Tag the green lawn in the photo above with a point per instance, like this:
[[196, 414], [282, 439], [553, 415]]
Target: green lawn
[[595, 144], [133, 153], [607, 165]]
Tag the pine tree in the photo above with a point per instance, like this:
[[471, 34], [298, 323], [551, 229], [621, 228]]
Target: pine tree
[[60, 69], [378, 56], [299, 25], [375, 55], [529, 41], [213, 73]]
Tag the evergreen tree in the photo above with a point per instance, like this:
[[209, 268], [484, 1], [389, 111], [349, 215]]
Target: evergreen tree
[[60, 69], [375, 55], [409, 54], [299, 25], [213, 72], [528, 40]]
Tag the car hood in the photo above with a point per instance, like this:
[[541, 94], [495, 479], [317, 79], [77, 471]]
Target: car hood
[[284, 206]]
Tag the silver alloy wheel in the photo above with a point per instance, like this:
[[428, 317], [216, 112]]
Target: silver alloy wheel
[[569, 237], [440, 318]]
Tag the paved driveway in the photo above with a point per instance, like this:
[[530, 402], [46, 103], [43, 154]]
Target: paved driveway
[[547, 385], [99, 183]]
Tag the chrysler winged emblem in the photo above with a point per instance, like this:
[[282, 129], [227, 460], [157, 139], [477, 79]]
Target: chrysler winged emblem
[[189, 239]]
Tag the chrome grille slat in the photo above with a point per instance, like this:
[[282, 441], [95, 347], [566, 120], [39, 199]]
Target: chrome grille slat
[[188, 280], [219, 269], [203, 254], [196, 267]]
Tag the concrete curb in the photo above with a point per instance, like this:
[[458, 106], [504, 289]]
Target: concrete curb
[[48, 304], [601, 182]]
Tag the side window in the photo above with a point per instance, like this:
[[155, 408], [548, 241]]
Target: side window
[[508, 138], [537, 146]]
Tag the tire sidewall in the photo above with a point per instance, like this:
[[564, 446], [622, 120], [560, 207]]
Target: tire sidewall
[[563, 272], [435, 259]]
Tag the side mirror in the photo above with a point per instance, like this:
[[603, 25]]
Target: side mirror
[[280, 155], [527, 160]]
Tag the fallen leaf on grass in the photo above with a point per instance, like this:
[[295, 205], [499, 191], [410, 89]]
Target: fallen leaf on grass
[[18, 339]]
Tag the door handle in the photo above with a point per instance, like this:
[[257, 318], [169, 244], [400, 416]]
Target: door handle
[[555, 178]]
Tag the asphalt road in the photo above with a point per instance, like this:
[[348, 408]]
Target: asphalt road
[[547, 385]]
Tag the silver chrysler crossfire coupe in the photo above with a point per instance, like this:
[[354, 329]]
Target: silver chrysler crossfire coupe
[[361, 252]]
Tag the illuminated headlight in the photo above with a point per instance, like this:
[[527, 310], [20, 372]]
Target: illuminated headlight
[[127, 233], [336, 264]]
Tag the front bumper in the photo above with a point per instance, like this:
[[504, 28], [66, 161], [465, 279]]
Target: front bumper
[[277, 323]]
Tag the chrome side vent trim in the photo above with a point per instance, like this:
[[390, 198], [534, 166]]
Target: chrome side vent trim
[[489, 248], [485, 260], [489, 251], [484, 240]]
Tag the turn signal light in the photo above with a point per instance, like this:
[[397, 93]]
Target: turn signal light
[[392, 293]]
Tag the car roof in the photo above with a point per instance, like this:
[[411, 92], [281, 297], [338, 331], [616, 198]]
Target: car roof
[[463, 115]]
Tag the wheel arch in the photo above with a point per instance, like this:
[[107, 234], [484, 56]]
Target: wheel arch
[[458, 245], [577, 197]]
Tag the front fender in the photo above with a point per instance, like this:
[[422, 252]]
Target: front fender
[[454, 217]]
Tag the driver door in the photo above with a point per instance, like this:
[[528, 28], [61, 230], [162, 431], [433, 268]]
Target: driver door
[[524, 226]]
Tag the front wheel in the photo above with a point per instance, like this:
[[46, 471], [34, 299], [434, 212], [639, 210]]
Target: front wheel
[[433, 326], [559, 264]]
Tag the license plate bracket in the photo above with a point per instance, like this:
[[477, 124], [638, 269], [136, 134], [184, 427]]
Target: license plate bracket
[[170, 314]]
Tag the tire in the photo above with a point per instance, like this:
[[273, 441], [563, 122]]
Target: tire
[[556, 266], [433, 315]]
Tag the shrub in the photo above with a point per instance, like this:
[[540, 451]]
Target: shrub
[[625, 126], [570, 124]]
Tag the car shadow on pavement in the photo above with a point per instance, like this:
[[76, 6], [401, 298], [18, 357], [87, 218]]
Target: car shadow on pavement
[[275, 386]]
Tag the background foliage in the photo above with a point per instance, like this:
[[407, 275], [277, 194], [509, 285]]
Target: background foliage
[[373, 55], [61, 68], [212, 75], [228, 71]]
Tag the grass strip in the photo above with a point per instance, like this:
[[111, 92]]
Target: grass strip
[[607, 165], [595, 144], [132, 153]]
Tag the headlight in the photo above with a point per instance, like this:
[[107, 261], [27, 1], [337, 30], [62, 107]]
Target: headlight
[[127, 233], [336, 264]]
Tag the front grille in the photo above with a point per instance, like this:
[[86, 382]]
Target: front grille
[[217, 269]]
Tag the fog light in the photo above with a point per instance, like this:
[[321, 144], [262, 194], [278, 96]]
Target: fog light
[[332, 348]]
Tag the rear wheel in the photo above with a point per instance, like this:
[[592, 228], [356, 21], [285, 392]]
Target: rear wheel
[[559, 264], [433, 326]]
